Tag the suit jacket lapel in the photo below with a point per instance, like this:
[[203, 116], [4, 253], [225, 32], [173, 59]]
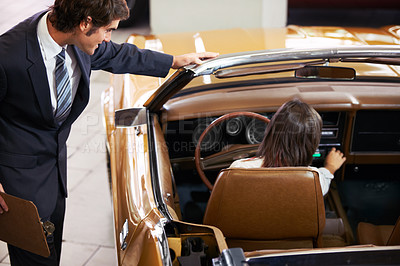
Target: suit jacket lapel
[[84, 63], [38, 75], [37, 71]]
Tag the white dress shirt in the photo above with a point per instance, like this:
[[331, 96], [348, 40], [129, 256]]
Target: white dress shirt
[[50, 49]]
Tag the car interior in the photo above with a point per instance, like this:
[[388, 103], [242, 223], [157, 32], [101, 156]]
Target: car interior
[[283, 208]]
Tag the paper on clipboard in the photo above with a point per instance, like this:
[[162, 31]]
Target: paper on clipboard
[[21, 226]]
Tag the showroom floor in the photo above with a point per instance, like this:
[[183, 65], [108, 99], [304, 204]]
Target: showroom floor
[[88, 235]]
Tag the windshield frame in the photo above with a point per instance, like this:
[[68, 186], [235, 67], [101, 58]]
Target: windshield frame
[[184, 75]]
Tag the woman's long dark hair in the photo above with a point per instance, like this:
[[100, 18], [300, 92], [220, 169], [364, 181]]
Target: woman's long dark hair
[[292, 136], [65, 15]]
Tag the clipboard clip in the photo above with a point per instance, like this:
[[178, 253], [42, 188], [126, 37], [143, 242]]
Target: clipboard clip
[[48, 228]]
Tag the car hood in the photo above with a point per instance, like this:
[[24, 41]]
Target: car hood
[[238, 40]]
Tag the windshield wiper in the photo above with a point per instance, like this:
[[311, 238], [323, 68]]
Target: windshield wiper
[[246, 71]]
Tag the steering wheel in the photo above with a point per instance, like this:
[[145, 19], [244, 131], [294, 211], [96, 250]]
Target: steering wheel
[[216, 122]]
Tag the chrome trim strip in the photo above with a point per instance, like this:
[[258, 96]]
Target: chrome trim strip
[[264, 56], [163, 246]]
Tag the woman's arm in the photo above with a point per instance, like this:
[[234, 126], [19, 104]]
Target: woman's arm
[[334, 160]]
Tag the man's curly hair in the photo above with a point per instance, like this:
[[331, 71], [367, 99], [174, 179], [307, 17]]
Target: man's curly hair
[[65, 15]]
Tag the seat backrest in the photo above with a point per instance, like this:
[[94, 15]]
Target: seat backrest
[[267, 204], [394, 238], [379, 235]]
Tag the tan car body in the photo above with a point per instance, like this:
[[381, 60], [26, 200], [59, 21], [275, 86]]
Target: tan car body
[[132, 186]]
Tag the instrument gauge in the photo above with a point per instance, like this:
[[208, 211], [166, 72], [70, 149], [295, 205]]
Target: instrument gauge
[[255, 131], [234, 126], [211, 140]]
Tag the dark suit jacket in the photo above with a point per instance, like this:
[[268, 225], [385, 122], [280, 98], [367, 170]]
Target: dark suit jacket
[[32, 146]]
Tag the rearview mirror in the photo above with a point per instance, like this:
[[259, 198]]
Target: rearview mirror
[[326, 72]]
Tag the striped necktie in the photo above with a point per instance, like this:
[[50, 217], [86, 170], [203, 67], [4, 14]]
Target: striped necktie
[[63, 85]]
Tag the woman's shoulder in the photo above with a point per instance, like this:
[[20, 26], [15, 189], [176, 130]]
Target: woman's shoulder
[[254, 162]]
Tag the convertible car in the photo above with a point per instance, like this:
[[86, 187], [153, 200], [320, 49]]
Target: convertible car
[[171, 142]]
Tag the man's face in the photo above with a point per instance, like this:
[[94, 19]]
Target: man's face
[[89, 38]]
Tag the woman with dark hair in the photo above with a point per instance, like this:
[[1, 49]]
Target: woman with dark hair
[[291, 138]]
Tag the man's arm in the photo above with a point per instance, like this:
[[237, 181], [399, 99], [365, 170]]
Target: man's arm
[[128, 58], [3, 83], [3, 86], [3, 205]]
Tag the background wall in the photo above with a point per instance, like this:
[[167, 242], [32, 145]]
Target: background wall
[[161, 16], [356, 13], [188, 15]]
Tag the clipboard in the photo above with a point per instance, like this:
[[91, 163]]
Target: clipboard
[[21, 226]]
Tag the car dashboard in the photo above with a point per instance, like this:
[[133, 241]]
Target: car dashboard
[[362, 119], [182, 136]]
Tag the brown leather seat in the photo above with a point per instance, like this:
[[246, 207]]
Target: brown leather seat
[[268, 208], [380, 235]]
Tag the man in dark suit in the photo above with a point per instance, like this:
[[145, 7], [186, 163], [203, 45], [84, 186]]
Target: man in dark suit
[[45, 66]]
